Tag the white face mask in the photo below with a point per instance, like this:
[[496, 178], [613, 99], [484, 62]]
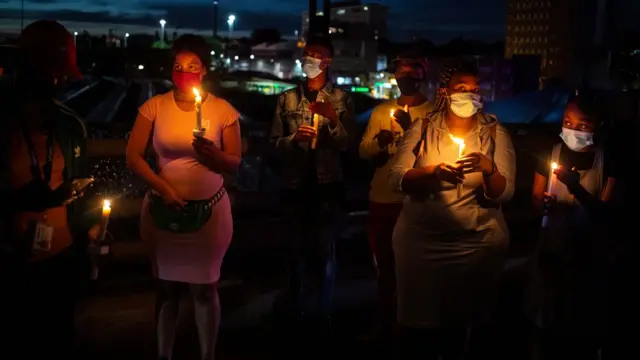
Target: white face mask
[[465, 104], [576, 140], [311, 67]]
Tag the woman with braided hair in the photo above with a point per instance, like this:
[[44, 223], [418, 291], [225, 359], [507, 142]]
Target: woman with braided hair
[[450, 240]]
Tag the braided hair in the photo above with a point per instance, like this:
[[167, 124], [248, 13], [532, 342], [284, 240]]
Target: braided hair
[[447, 70]]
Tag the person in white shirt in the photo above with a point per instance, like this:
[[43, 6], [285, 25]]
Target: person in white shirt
[[386, 126]]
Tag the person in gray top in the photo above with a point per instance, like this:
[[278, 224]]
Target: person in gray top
[[450, 240]]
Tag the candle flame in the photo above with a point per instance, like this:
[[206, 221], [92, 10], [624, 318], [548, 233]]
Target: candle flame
[[197, 94], [554, 166], [459, 142], [106, 204], [406, 108], [456, 140], [392, 112]]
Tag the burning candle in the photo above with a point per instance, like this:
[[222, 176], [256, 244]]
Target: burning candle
[[98, 249], [316, 123], [391, 119], [104, 220], [552, 177], [460, 143], [552, 183], [198, 109]]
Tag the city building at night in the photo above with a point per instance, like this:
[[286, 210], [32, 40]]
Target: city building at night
[[564, 34], [355, 29]]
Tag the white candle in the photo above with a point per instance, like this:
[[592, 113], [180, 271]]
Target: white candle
[[104, 220], [461, 145], [550, 186], [552, 178], [316, 119], [316, 124], [391, 119], [198, 109]]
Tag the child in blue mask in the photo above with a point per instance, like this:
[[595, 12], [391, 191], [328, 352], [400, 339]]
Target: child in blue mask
[[566, 298]]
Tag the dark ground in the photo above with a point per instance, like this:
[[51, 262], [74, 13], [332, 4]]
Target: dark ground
[[115, 319]]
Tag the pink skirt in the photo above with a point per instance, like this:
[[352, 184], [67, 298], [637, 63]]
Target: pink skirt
[[193, 258]]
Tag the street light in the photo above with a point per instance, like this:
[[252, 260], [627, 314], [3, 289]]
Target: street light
[[75, 35], [162, 24], [230, 21], [252, 57], [126, 37]]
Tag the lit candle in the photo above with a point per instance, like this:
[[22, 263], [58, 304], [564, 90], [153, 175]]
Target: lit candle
[[316, 123], [460, 143], [552, 178], [198, 131], [104, 220], [392, 119], [98, 249], [550, 186]]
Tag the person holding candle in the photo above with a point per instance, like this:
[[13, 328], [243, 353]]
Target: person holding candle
[[449, 249], [312, 179], [186, 216], [387, 124], [46, 223], [566, 298]]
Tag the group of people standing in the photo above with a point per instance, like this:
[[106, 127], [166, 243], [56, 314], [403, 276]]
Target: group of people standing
[[437, 231]]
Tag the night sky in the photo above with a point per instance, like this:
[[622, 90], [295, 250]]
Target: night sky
[[437, 20]]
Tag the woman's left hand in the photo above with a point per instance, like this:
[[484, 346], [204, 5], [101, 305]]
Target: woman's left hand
[[475, 162], [205, 148], [569, 177]]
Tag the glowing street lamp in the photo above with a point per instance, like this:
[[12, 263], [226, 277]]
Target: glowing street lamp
[[126, 37], [75, 36], [162, 24], [230, 21]]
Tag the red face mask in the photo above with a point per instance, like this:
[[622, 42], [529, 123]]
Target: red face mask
[[185, 81]]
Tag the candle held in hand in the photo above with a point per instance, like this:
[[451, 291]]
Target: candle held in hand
[[460, 143], [552, 177], [104, 220], [316, 124], [198, 131]]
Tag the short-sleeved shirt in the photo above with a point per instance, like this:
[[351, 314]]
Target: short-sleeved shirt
[[173, 137], [580, 160]]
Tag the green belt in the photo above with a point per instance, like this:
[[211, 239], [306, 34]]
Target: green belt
[[190, 218]]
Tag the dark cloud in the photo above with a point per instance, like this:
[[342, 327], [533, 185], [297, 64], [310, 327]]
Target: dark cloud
[[73, 15], [198, 16]]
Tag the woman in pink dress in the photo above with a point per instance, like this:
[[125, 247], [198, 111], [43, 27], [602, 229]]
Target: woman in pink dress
[[186, 216]]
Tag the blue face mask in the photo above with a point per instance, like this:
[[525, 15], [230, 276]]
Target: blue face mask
[[576, 140]]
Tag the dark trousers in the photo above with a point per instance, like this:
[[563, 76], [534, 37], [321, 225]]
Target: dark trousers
[[45, 301], [312, 218], [382, 221]]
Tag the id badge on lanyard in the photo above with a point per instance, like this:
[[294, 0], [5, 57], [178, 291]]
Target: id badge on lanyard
[[43, 232]]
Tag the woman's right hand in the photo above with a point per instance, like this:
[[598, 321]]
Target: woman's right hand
[[449, 173], [170, 197], [548, 201]]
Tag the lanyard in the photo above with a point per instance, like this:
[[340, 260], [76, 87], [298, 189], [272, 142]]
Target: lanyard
[[35, 166]]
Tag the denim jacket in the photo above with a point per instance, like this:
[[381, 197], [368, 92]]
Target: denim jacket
[[292, 111]]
